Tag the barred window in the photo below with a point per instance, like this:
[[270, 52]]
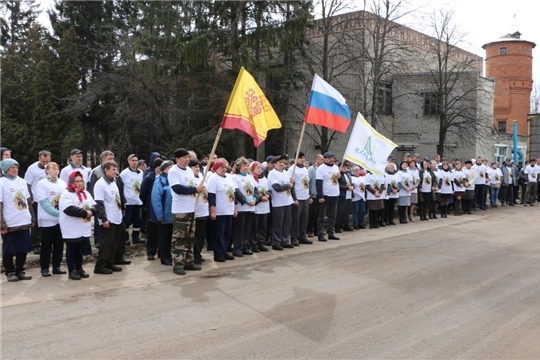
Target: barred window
[[431, 104], [384, 98], [501, 126]]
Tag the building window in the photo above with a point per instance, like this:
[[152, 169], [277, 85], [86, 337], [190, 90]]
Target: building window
[[502, 51], [501, 126], [384, 97], [500, 153], [431, 104]]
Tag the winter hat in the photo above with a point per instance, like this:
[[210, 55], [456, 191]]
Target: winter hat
[[165, 165], [6, 164], [180, 152]]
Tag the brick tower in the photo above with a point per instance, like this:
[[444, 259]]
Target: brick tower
[[509, 60]]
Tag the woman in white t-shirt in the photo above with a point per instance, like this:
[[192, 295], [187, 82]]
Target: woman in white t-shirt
[[413, 170], [446, 184], [47, 195], [76, 208], [201, 213], [495, 176], [392, 193], [460, 179], [262, 209], [17, 218], [405, 188], [359, 199], [222, 209]]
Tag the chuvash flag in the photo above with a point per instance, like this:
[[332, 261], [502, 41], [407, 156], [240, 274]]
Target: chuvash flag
[[367, 147]]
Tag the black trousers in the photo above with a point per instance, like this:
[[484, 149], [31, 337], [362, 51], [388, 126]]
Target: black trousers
[[258, 229], [241, 231], [35, 232], [164, 237], [200, 236], [110, 242], [343, 212], [51, 243], [20, 260], [313, 216], [327, 208], [152, 229]]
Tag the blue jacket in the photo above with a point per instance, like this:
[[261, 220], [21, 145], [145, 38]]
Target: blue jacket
[[161, 201]]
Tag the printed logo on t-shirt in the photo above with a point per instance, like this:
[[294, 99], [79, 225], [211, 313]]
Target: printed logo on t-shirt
[[248, 189], [406, 182], [192, 184], [85, 207], [305, 182], [117, 202], [533, 175], [56, 201], [361, 187], [393, 185], [230, 194], [427, 180], [334, 179], [481, 173], [20, 201], [136, 187], [263, 191], [497, 177], [376, 186], [446, 181], [204, 196]]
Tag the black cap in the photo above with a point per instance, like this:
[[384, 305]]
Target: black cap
[[280, 157], [269, 158], [165, 165], [301, 154], [75, 152], [180, 152]]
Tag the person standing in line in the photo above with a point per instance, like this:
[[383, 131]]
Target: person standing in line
[[282, 199], [446, 181], [494, 175], [413, 170], [222, 209], [345, 199], [470, 175], [16, 220], [262, 209], [247, 196], [392, 193], [109, 212], [480, 184], [359, 199], [459, 186], [314, 205], [160, 212], [437, 190], [132, 179], [531, 172], [327, 182], [47, 195], [507, 184], [201, 214], [76, 207], [405, 188], [76, 163], [426, 186], [376, 193], [300, 208], [146, 198], [184, 192], [34, 174]]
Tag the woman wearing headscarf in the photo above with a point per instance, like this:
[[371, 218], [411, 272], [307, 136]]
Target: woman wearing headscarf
[[76, 208], [47, 195], [405, 188], [392, 193], [446, 184], [262, 209], [222, 209], [16, 220]]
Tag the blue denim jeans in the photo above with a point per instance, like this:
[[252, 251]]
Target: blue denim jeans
[[359, 211], [493, 195]]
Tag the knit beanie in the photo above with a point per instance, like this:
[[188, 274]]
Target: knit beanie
[[7, 163]]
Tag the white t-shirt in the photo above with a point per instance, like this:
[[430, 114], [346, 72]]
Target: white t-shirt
[[359, 188], [263, 207], [33, 175], [68, 169], [246, 185], [223, 188], [377, 182], [471, 177], [480, 174], [495, 176], [110, 195], [280, 198], [50, 191], [405, 178], [392, 180], [426, 184], [447, 179], [132, 186], [532, 173], [14, 198], [182, 204], [460, 177], [301, 182], [415, 178], [329, 177], [202, 204], [75, 227]]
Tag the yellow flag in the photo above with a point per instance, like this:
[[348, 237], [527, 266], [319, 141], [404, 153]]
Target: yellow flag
[[249, 110]]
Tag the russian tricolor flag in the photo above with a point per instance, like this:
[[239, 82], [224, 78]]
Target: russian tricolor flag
[[327, 107]]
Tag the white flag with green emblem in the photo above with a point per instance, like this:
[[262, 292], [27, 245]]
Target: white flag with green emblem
[[367, 147]]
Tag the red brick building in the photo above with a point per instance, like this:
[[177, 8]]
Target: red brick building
[[509, 61]]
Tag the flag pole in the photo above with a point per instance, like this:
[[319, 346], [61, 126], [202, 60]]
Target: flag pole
[[298, 149], [210, 158]]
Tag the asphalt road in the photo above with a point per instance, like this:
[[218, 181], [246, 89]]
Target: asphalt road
[[463, 287]]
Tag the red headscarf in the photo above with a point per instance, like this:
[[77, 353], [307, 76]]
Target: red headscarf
[[252, 167], [217, 165], [73, 187]]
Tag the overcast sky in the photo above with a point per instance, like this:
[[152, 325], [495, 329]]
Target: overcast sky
[[482, 21]]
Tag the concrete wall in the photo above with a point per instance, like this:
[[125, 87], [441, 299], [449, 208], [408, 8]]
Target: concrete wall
[[534, 136]]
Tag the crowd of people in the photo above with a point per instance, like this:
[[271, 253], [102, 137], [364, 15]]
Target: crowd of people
[[177, 206]]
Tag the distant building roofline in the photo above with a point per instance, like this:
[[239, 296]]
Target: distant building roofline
[[515, 37]]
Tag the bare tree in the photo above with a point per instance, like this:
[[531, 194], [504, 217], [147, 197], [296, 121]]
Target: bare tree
[[535, 99], [453, 72]]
